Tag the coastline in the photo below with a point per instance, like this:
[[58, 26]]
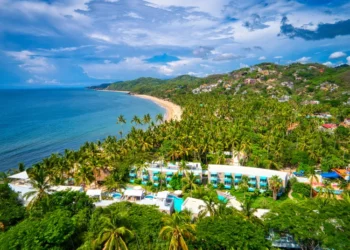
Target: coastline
[[172, 111]]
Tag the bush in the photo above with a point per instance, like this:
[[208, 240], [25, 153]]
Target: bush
[[221, 186], [301, 188], [138, 181]]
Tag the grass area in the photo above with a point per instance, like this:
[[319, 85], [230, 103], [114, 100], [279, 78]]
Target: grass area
[[261, 201]]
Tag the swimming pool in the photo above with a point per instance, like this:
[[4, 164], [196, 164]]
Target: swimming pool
[[222, 198], [149, 196], [177, 202], [117, 195]]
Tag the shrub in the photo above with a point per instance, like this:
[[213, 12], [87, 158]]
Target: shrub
[[138, 181], [301, 188]]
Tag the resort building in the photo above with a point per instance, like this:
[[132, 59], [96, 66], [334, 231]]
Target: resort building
[[157, 170], [228, 175]]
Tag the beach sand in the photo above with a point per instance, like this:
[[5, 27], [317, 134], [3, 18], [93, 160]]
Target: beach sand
[[173, 111]]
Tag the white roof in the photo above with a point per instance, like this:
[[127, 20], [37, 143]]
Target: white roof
[[133, 192], [22, 175], [246, 171], [178, 192], [93, 192], [235, 203], [261, 212], [163, 194], [105, 203], [66, 188], [194, 205]]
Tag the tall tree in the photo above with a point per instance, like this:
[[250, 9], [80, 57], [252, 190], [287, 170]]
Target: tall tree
[[177, 229]]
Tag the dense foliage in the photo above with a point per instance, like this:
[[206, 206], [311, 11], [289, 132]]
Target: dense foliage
[[247, 120]]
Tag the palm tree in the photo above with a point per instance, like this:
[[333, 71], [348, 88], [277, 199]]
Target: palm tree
[[85, 175], [247, 209], [114, 234], [121, 120], [275, 183], [312, 177], [210, 206], [177, 228], [115, 181], [39, 180], [159, 118], [189, 182]]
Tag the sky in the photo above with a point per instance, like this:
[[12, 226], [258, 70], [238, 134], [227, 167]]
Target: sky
[[71, 43]]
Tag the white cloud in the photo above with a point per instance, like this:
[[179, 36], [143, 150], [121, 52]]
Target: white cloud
[[328, 64], [42, 81], [262, 58], [278, 57], [336, 55], [133, 15], [243, 65], [133, 67], [304, 59], [348, 60], [100, 37], [226, 57], [31, 62]]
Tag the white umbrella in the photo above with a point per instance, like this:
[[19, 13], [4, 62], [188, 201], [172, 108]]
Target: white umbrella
[[178, 192], [163, 194]]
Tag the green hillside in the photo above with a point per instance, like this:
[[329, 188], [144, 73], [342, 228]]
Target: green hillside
[[299, 81]]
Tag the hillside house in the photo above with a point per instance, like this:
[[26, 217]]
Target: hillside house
[[328, 127], [288, 84], [312, 102], [322, 115], [284, 98], [250, 81], [346, 123]]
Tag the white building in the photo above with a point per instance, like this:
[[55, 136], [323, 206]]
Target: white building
[[232, 175]]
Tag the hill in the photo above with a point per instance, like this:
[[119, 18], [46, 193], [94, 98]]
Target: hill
[[300, 82]]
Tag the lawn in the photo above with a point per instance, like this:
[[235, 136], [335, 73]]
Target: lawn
[[260, 201]]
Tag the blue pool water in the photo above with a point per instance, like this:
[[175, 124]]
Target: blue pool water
[[149, 196], [37, 122], [222, 198], [116, 195], [177, 202]]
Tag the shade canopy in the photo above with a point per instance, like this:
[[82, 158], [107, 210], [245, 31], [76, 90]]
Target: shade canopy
[[163, 194], [93, 192], [22, 175], [133, 193], [330, 175], [178, 192]]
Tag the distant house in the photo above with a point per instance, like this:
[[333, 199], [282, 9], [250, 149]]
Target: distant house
[[346, 123], [322, 115], [328, 127], [284, 98], [250, 81], [196, 91], [288, 84], [312, 102]]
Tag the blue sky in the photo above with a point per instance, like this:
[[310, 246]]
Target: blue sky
[[80, 42]]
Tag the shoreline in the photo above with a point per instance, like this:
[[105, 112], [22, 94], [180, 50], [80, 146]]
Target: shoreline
[[172, 111]]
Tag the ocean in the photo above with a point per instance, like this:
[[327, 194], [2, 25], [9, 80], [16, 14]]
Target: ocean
[[37, 122]]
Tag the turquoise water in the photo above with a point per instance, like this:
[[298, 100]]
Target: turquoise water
[[177, 202], [117, 195], [36, 123], [222, 198]]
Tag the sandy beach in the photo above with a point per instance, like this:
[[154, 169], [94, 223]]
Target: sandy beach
[[173, 111]]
